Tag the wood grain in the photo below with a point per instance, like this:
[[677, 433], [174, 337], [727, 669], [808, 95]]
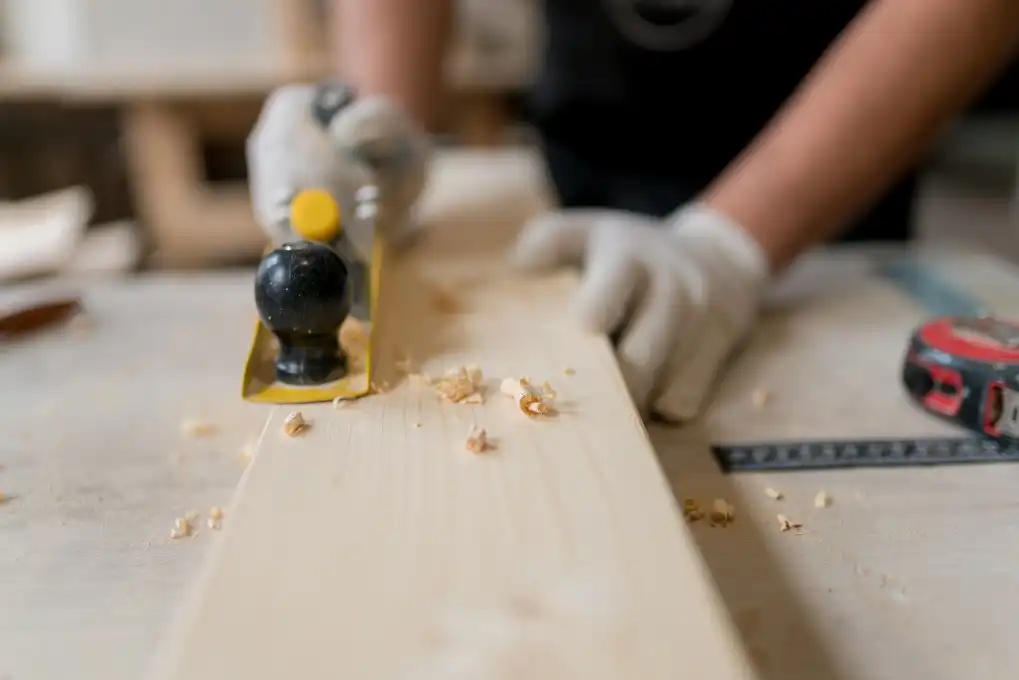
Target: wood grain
[[375, 546]]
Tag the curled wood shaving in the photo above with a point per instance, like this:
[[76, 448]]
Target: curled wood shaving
[[182, 528], [198, 428], [477, 440], [722, 513], [341, 402], [786, 524], [462, 386], [215, 521], [773, 494], [295, 424], [822, 500], [530, 401], [691, 511]]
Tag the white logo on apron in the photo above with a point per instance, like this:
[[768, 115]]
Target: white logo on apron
[[681, 24]]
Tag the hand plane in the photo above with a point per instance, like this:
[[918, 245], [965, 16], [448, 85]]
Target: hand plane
[[317, 294]]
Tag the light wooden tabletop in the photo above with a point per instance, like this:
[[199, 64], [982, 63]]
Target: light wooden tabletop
[[908, 573]]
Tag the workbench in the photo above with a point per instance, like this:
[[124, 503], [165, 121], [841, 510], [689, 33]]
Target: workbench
[[908, 574]]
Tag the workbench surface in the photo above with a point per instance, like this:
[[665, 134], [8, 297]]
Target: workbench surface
[[909, 573]]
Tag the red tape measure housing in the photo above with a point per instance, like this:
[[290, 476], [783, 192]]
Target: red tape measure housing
[[966, 370]]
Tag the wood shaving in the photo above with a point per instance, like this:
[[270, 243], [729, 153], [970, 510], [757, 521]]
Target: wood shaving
[[691, 511], [444, 299], [786, 524], [760, 398], [215, 521], [822, 500], [722, 513], [3, 498], [295, 424], [462, 386], [773, 494], [529, 400], [197, 428], [569, 371], [477, 440], [341, 402], [182, 528]]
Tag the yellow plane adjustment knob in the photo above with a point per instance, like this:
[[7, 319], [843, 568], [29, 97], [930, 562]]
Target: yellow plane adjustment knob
[[315, 216]]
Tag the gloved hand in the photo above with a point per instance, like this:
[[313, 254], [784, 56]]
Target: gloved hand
[[680, 293], [365, 152]]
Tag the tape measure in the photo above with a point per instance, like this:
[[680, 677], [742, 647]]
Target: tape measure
[[961, 366]]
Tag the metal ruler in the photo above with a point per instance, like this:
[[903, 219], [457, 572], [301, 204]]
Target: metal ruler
[[818, 455], [921, 282]]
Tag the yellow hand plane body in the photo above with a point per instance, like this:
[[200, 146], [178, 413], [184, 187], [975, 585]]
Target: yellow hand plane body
[[317, 298]]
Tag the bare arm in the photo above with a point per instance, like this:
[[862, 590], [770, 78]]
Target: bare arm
[[395, 48], [879, 97]]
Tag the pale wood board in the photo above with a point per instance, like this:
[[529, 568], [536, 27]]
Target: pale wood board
[[909, 574], [370, 547]]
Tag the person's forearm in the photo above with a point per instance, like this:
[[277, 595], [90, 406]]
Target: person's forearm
[[868, 111], [395, 48]]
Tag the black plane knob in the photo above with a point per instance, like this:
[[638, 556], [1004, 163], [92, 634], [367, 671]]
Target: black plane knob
[[302, 296]]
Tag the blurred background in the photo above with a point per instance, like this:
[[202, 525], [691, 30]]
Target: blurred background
[[146, 104]]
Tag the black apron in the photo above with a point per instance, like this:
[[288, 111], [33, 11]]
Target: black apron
[[641, 103]]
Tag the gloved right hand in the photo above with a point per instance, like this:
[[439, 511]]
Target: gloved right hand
[[365, 152]]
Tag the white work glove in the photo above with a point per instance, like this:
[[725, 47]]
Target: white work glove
[[364, 151], [680, 293]]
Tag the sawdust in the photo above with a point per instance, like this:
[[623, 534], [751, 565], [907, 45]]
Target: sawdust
[[198, 428], [822, 499], [215, 521], [722, 513], [773, 494], [182, 528], [295, 424], [478, 441], [569, 371], [462, 386], [691, 510], [786, 524]]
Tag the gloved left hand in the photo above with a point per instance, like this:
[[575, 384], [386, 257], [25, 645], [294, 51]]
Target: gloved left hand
[[680, 293], [327, 137]]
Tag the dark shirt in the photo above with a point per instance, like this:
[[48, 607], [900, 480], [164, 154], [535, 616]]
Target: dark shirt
[[641, 103]]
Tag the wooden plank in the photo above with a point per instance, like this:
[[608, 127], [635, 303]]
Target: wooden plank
[[374, 548]]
